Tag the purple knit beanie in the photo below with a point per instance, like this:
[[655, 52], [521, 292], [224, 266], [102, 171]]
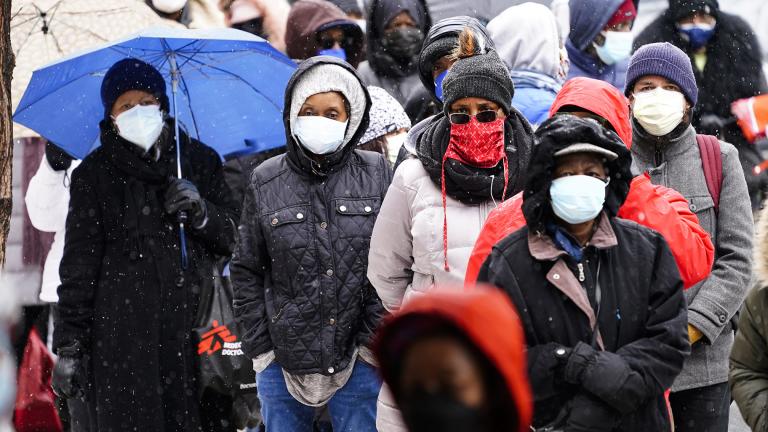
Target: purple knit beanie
[[666, 60]]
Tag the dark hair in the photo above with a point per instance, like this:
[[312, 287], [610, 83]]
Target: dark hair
[[378, 145]]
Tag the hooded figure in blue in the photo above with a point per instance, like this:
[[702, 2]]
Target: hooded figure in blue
[[600, 42]]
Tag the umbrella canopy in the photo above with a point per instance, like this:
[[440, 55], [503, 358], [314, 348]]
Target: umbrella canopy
[[230, 87], [46, 30]]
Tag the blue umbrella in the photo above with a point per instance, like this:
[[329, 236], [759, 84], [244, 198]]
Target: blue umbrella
[[226, 88]]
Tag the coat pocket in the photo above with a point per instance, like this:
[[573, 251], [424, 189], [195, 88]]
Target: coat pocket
[[287, 227], [704, 208], [355, 216]]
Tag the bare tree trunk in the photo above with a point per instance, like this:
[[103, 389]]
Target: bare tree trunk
[[6, 126]]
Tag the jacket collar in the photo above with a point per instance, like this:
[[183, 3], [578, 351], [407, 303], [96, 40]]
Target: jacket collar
[[543, 248], [644, 145]]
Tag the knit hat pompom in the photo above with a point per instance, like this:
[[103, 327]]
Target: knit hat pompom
[[467, 46], [477, 72]]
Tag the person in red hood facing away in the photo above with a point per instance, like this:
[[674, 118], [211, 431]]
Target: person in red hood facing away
[[456, 361], [659, 208]]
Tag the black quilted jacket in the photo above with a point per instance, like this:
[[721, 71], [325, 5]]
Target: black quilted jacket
[[299, 270]]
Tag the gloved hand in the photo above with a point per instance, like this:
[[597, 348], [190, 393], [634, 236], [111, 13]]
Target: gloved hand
[[589, 414], [57, 158], [70, 374], [579, 359], [182, 195]]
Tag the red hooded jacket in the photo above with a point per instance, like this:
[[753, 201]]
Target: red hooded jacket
[[657, 207], [487, 318]]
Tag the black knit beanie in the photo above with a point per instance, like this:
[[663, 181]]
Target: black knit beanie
[[483, 75], [132, 74], [679, 9], [441, 41]]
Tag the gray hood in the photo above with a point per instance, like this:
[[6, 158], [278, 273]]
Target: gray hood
[[527, 39]]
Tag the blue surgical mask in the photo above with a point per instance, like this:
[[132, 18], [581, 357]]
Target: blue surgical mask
[[577, 199], [334, 52], [697, 35], [439, 85], [617, 47]]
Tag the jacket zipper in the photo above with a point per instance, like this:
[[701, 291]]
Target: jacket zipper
[[581, 272], [657, 156], [277, 315]]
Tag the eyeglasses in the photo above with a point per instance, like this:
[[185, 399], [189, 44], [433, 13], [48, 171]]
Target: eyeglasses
[[328, 42], [482, 117]]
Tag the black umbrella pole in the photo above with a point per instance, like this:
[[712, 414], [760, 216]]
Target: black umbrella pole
[[182, 215]]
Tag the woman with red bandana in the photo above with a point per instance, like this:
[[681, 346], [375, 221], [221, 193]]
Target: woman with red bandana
[[469, 159]]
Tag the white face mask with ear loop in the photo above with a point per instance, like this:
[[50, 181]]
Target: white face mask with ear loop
[[318, 134], [577, 199], [659, 111], [169, 6], [140, 125]]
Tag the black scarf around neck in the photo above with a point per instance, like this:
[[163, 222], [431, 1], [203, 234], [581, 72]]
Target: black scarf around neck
[[468, 184], [146, 181]]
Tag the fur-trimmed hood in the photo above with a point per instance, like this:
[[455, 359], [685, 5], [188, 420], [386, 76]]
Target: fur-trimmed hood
[[556, 134], [761, 248]]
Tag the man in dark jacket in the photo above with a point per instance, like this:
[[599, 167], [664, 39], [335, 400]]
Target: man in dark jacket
[[299, 270], [395, 33], [127, 304], [728, 66], [600, 298]]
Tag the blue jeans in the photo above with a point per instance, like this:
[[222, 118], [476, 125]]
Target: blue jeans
[[352, 408]]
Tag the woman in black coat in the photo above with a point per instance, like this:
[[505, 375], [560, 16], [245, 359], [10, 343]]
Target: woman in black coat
[[299, 271], [600, 298], [127, 306]]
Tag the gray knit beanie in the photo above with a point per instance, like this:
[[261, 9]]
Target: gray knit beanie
[[666, 60], [483, 75]]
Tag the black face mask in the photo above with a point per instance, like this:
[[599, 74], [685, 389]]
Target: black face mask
[[254, 26], [403, 44], [425, 412]]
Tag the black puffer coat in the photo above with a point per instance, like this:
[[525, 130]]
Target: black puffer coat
[[640, 315], [734, 70], [123, 295], [299, 269]]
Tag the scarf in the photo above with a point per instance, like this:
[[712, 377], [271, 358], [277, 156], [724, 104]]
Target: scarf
[[468, 184], [146, 181]]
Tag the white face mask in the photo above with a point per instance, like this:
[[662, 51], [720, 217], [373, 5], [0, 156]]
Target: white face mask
[[617, 47], [362, 23], [577, 199], [659, 111], [141, 125], [394, 143], [318, 134], [169, 6]]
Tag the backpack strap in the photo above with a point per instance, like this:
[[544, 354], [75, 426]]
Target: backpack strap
[[712, 162]]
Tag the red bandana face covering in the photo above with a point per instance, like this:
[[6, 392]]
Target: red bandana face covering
[[476, 144]]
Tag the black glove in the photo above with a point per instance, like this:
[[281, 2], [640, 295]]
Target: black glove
[[580, 357], [183, 196], [586, 413], [70, 374], [57, 158]]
